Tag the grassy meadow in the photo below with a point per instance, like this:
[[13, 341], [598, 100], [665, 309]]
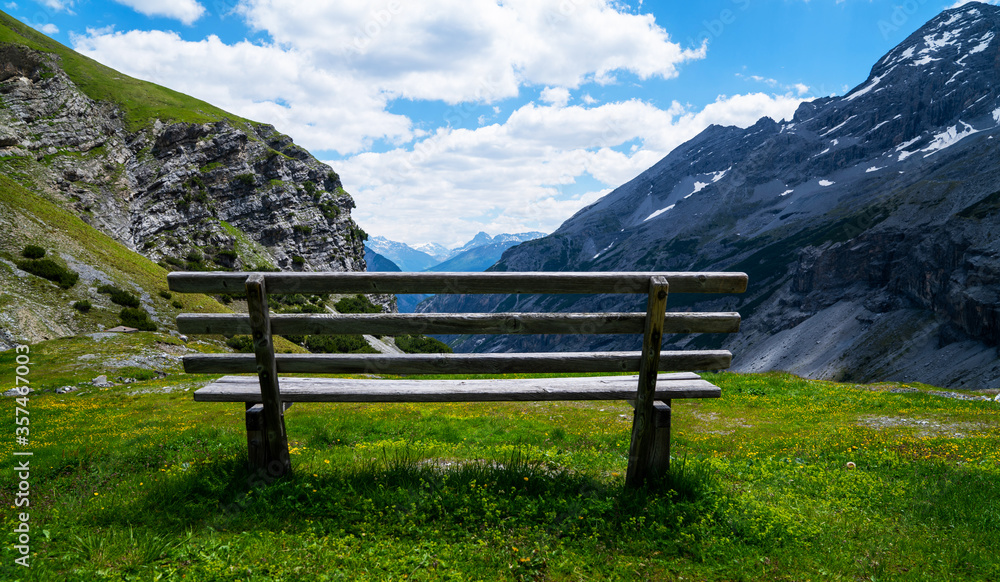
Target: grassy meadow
[[139, 482]]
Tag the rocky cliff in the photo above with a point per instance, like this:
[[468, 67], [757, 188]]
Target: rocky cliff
[[240, 193], [175, 179], [866, 223]]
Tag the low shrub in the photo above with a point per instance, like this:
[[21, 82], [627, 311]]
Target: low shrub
[[421, 344], [137, 318], [357, 304], [247, 180], [119, 296], [241, 343], [49, 269], [338, 344], [166, 295], [227, 256], [82, 306], [33, 252]]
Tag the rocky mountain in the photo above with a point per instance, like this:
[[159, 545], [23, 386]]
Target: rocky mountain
[[478, 254], [483, 251], [174, 179], [377, 262], [867, 224], [405, 257]]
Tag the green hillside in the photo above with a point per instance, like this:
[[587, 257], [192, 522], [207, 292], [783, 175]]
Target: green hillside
[[30, 219], [141, 101]]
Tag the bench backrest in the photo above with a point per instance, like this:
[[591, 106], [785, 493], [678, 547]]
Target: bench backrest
[[654, 322]]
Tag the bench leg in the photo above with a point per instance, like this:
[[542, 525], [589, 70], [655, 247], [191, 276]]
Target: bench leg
[[257, 435], [659, 462]]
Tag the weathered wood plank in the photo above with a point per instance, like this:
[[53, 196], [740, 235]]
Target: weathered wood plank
[[492, 282], [458, 323], [643, 422], [275, 439], [244, 389], [550, 362]]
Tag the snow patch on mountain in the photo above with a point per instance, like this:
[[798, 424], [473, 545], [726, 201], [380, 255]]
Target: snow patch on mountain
[[842, 124], [698, 187], [949, 137], [606, 249], [983, 44], [871, 85], [658, 212]]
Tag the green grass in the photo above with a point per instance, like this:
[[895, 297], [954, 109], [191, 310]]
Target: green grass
[[138, 482]]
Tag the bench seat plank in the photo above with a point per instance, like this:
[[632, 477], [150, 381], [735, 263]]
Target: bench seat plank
[[506, 363], [247, 389]]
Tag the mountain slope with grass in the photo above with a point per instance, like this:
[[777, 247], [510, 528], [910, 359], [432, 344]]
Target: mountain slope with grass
[[867, 224], [34, 308], [168, 178]]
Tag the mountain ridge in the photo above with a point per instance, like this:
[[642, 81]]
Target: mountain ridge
[[864, 223], [481, 252]]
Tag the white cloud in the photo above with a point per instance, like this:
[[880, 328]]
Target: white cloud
[[334, 66], [57, 5], [49, 28], [187, 11], [332, 70], [10, 5], [521, 175], [472, 50], [557, 96], [321, 109], [800, 88]]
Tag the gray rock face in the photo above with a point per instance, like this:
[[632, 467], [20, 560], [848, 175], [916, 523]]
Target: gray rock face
[[229, 193], [867, 225]]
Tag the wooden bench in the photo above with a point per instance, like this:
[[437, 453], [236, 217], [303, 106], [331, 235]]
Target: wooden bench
[[650, 392]]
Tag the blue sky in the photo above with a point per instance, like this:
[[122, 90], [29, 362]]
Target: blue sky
[[447, 117]]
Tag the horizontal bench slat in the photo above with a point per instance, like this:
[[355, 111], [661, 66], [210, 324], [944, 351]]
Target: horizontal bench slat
[[457, 323], [554, 362], [493, 282], [246, 389]]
